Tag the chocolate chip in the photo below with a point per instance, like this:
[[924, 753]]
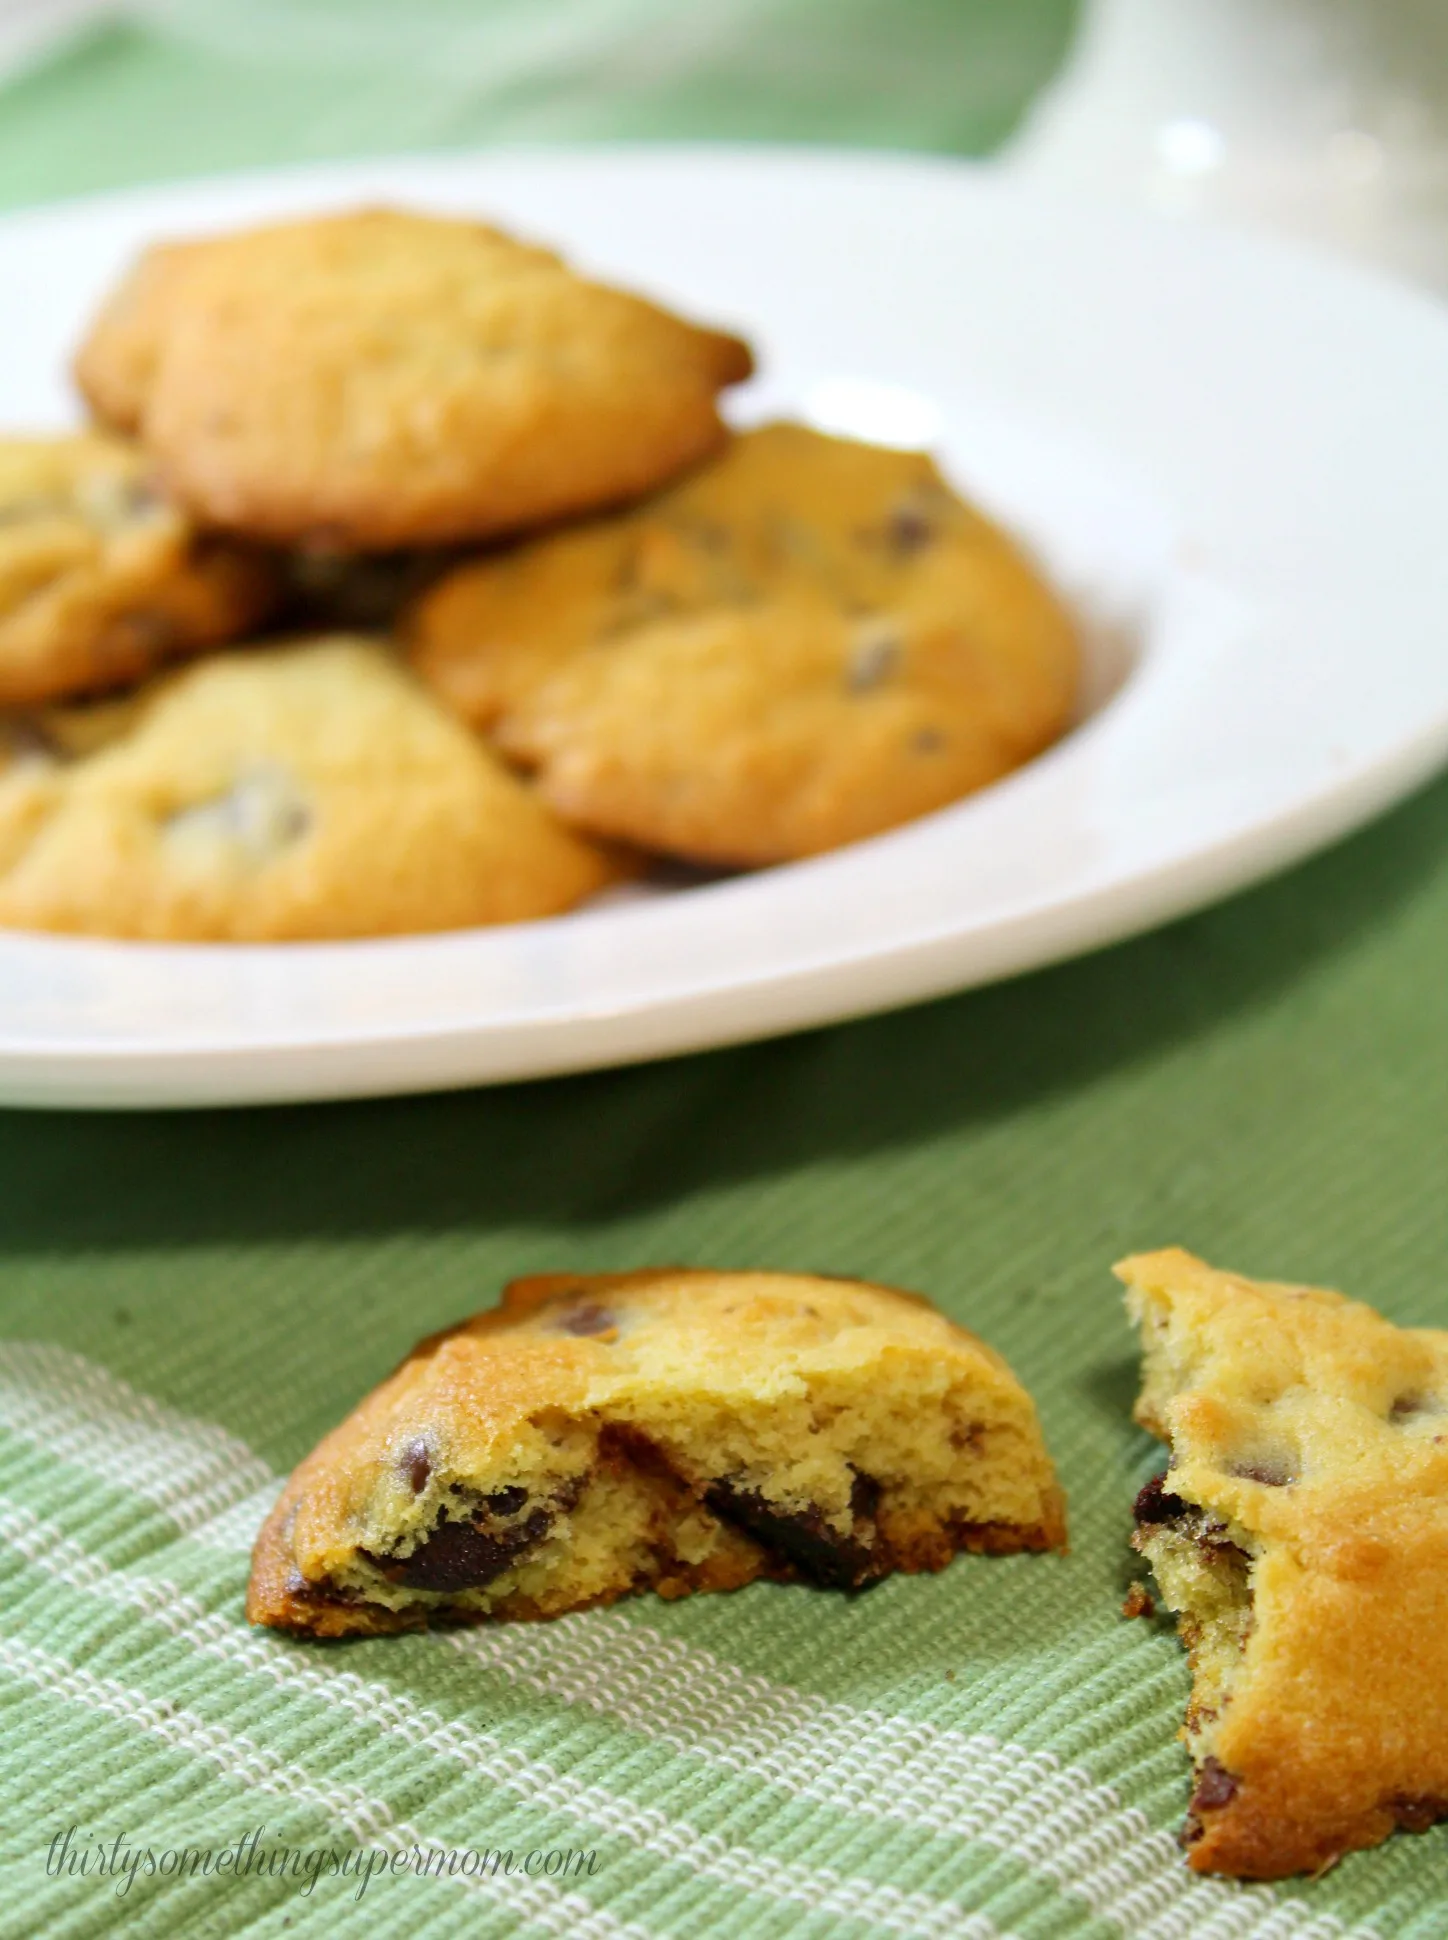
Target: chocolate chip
[[1215, 1787], [1153, 1504], [865, 1493], [463, 1555], [589, 1319], [909, 530], [316, 1596], [621, 1442], [507, 1502], [416, 1464], [1407, 1406], [1156, 1505], [1417, 1814], [803, 1537], [1210, 1538]]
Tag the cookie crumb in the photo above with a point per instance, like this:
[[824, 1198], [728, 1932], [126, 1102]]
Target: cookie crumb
[[1138, 1602]]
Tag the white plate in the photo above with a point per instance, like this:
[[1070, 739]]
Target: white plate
[[1235, 457]]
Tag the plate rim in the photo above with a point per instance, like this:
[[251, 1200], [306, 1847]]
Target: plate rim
[[36, 1069]]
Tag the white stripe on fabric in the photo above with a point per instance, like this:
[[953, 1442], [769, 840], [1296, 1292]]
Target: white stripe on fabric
[[1054, 1818], [191, 1470], [367, 1820], [46, 1547]]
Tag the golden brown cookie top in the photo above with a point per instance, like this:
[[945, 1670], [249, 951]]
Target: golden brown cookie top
[[805, 642], [383, 379], [101, 578], [115, 366], [784, 516], [1279, 1400], [586, 1339], [310, 789], [1309, 1436]]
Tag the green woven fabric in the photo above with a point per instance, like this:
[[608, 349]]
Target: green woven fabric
[[187, 1302]]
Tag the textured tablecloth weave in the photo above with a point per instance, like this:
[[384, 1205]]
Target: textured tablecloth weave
[[187, 1302]]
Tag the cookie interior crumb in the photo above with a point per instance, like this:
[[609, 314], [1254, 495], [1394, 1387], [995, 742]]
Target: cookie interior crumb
[[671, 1431], [1300, 1536]]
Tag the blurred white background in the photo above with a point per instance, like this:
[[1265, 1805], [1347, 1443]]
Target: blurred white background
[[1328, 118], [1323, 118]]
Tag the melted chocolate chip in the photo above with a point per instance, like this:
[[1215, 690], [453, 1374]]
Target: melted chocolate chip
[[802, 1536], [1153, 1504], [590, 1319], [1211, 1536], [416, 1464], [1215, 1787], [316, 1596], [463, 1555], [619, 1441], [467, 1549], [865, 1493]]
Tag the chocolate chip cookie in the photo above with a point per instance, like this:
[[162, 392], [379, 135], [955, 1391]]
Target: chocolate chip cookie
[[100, 578], [379, 379], [808, 641], [1300, 1533], [672, 1430], [312, 789]]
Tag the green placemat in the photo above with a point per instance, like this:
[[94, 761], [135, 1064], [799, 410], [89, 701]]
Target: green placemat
[[215, 84], [186, 1303]]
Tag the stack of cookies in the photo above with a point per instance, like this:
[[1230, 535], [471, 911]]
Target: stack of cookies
[[409, 581]]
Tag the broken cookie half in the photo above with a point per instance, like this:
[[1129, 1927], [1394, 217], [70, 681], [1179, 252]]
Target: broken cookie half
[[1300, 1534], [671, 1430]]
